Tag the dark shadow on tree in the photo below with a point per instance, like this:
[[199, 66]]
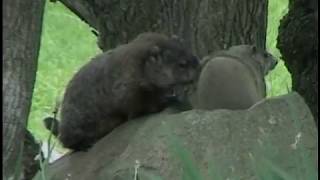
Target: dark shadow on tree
[[298, 43]]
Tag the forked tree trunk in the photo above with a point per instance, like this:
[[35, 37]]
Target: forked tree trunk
[[298, 43], [21, 40], [205, 25]]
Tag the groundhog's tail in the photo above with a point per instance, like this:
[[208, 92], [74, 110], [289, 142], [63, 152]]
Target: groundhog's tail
[[52, 125]]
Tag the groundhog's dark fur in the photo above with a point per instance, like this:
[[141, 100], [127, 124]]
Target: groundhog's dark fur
[[129, 81], [233, 78]]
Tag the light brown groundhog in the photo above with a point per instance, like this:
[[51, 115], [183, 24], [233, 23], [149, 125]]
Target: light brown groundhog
[[127, 82], [233, 78]]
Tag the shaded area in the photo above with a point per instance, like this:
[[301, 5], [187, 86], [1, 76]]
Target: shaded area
[[298, 43], [29, 159]]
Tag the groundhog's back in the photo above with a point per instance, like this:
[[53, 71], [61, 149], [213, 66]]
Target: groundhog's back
[[226, 83]]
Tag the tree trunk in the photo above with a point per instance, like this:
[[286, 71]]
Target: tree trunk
[[204, 25], [21, 40], [298, 43]]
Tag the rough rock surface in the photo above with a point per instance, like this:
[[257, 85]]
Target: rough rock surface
[[226, 138]]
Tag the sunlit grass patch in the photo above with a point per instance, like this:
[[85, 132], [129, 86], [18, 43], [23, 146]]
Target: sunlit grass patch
[[279, 80], [66, 44]]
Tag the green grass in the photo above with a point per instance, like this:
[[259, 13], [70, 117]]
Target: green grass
[[67, 44], [279, 80]]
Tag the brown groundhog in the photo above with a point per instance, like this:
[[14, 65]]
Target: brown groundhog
[[129, 81], [233, 78]]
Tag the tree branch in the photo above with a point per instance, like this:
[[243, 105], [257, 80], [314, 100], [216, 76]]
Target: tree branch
[[84, 9]]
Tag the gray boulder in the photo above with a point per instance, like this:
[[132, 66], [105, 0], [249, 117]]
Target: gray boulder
[[281, 126]]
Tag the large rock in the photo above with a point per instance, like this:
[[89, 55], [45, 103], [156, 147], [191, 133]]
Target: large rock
[[226, 138]]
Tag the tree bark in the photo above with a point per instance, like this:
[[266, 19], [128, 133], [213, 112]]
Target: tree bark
[[298, 43], [21, 40], [204, 25]]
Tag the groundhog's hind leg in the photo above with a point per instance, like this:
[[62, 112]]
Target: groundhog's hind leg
[[77, 140], [81, 139]]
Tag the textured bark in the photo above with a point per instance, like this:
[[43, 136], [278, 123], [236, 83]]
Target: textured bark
[[298, 43], [204, 25], [21, 40], [83, 9]]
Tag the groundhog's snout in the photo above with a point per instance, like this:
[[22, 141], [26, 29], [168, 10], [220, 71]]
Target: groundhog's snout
[[190, 75]]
